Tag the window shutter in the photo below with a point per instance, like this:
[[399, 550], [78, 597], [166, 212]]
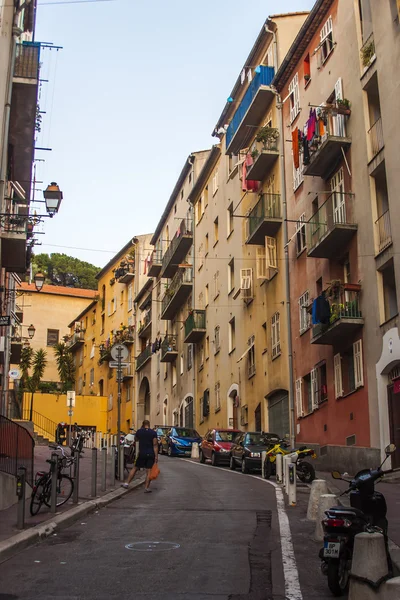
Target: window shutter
[[270, 246], [246, 283], [314, 389], [358, 364], [337, 365], [261, 263], [299, 397]]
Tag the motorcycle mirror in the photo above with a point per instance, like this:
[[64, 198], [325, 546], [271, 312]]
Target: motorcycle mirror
[[390, 449], [336, 475]]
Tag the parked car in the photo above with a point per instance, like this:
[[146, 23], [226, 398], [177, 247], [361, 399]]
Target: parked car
[[246, 451], [217, 444], [162, 431], [179, 440]]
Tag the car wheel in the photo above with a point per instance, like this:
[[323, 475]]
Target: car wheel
[[232, 464], [245, 468], [202, 458], [169, 451], [214, 460]]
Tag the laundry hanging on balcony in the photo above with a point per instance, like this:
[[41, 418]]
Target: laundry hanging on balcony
[[296, 147], [248, 186], [156, 346], [321, 311]]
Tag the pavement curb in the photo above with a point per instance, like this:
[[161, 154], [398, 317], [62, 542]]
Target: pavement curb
[[20, 541]]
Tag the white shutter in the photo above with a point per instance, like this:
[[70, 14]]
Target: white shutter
[[270, 249], [314, 389], [246, 283], [338, 121], [337, 365], [299, 397], [261, 263], [358, 364]]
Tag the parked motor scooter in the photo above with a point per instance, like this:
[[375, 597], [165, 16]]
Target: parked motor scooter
[[367, 512]]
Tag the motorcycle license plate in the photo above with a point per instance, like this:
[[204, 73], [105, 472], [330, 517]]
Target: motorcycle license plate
[[331, 549]]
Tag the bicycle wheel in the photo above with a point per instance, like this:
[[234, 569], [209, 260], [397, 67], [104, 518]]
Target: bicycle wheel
[[65, 487], [37, 497]]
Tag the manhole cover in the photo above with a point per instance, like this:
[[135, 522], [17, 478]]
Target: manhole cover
[[152, 546]]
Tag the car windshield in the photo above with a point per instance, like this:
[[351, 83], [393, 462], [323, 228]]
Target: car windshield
[[261, 439], [186, 433], [162, 430], [226, 436]]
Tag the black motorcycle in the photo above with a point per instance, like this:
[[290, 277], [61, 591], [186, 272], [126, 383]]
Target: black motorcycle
[[367, 512]]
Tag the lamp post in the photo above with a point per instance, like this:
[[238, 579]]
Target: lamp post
[[52, 196], [31, 331], [39, 281]]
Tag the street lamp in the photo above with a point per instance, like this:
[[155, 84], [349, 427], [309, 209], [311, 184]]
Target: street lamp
[[39, 281], [31, 331], [52, 196]]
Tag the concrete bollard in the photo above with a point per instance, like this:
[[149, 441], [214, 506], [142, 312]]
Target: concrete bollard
[[326, 501], [286, 462], [279, 468], [369, 561], [390, 590], [318, 487], [195, 450]]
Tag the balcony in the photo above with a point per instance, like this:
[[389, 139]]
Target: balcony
[[326, 153], [178, 248], [125, 272], [144, 330], [27, 62], [177, 293], [346, 317], [169, 349], [105, 352], [143, 357], [264, 155], [367, 53], [331, 228], [251, 110], [128, 373], [384, 231], [375, 139], [13, 242], [195, 326], [264, 219], [155, 263], [124, 335], [75, 341]]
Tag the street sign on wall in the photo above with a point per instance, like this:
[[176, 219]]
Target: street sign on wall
[[113, 364], [70, 399], [5, 320]]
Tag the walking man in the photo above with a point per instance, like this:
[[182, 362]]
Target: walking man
[[147, 455]]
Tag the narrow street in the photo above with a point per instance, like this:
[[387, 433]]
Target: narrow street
[[218, 536]]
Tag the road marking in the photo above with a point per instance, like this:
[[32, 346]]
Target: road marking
[[290, 571]]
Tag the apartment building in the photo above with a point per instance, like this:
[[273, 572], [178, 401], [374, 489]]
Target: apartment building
[[164, 367], [338, 211]]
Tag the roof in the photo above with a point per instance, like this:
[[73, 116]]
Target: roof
[[83, 312], [145, 288], [290, 14], [58, 290], [204, 173], [301, 42], [114, 259]]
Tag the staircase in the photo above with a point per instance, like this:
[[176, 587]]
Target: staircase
[[44, 429], [40, 440]]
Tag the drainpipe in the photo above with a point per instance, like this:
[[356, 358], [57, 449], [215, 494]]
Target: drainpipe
[[191, 160], [279, 104]]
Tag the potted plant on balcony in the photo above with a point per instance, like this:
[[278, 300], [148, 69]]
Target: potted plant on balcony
[[343, 106], [267, 136], [334, 289], [367, 53], [254, 154]]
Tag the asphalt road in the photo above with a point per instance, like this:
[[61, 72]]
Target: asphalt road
[[208, 534]]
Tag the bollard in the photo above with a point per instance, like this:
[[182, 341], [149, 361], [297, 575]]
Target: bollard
[[286, 461], [326, 501], [121, 463], [113, 464], [390, 589], [21, 488], [75, 495], [94, 473], [54, 478], [318, 487], [292, 488], [103, 469], [279, 468], [369, 562], [195, 450]]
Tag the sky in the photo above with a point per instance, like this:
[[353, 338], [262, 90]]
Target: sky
[[136, 87]]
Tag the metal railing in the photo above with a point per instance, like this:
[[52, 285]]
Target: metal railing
[[384, 230], [181, 277], [155, 258], [143, 356], [367, 51], [264, 77], [14, 223], [195, 320], [375, 136], [27, 61], [41, 424], [338, 209], [344, 304], [146, 320], [169, 344], [16, 449], [78, 336], [267, 207], [185, 228]]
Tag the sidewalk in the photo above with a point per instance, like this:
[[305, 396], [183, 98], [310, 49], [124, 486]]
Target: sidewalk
[[8, 517]]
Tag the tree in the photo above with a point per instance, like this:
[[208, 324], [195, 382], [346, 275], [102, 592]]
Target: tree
[[35, 362], [65, 366], [61, 269], [25, 364]]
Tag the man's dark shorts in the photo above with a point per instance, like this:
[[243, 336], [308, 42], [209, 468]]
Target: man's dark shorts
[[145, 461]]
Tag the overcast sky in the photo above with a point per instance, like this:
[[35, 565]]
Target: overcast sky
[[137, 86]]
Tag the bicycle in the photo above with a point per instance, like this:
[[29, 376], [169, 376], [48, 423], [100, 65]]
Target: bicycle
[[41, 492]]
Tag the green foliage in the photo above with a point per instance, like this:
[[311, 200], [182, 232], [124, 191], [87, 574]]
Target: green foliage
[[49, 387], [65, 366], [61, 269], [38, 366]]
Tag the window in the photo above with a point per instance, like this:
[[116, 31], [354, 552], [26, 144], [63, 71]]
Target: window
[[232, 163], [215, 183], [217, 396], [299, 397], [389, 292], [294, 96], [130, 297], [298, 176], [301, 234], [201, 357], [207, 348], [246, 283], [52, 337], [206, 245], [181, 364], [174, 377], [81, 357], [189, 356], [205, 194], [231, 335], [266, 259], [348, 370], [216, 284], [216, 231], [206, 403], [306, 69], [206, 297], [326, 36], [217, 346], [91, 382], [201, 300], [102, 325], [200, 209], [201, 257], [303, 312], [229, 220], [231, 276], [244, 415], [251, 357], [276, 335], [80, 385]]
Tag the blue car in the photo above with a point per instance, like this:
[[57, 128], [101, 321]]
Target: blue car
[[179, 440]]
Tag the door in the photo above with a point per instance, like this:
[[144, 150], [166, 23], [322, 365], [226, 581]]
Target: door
[[394, 424], [338, 198], [189, 413], [278, 414], [257, 417]]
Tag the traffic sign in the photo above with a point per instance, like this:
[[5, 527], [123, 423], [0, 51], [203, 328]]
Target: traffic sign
[[114, 364], [119, 351], [71, 399], [15, 374]]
